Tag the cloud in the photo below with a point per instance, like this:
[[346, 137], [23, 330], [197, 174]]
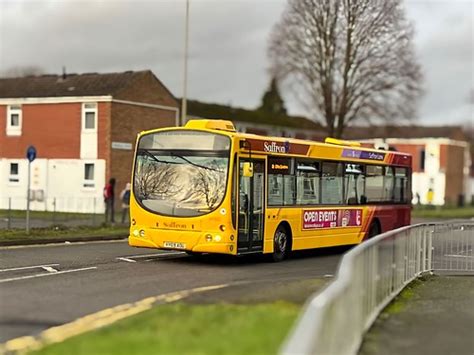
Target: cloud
[[228, 43]]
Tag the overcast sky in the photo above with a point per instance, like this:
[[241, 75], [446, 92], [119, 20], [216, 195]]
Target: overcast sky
[[228, 42]]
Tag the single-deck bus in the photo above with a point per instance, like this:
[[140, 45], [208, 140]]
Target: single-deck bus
[[205, 188]]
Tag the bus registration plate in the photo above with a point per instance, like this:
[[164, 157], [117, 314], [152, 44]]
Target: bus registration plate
[[174, 245]]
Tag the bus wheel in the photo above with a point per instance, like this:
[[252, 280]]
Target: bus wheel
[[281, 243], [193, 253], [373, 230]]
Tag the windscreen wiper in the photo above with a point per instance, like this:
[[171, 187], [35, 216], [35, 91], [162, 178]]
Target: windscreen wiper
[[147, 153]]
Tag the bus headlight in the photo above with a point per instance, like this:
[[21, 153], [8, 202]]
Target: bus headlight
[[142, 233], [222, 228], [135, 233], [217, 238], [208, 238]]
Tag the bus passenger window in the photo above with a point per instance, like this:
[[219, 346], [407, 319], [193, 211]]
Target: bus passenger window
[[374, 183], [388, 184], [354, 184], [307, 183], [275, 190], [280, 182], [332, 183], [401, 185]]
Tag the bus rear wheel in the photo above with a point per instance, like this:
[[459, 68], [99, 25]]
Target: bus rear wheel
[[281, 244], [373, 230]]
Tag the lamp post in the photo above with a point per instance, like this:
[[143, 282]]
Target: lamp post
[[185, 69]]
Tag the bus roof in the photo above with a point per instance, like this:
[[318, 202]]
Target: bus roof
[[332, 149]]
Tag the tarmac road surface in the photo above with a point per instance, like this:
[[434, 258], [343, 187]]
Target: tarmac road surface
[[49, 285]]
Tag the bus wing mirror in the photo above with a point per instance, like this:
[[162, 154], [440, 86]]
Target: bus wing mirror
[[247, 169]]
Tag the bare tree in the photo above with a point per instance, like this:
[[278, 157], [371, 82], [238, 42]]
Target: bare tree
[[210, 184], [207, 186], [347, 60], [155, 180]]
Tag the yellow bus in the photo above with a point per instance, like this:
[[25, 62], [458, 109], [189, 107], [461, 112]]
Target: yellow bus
[[205, 188]]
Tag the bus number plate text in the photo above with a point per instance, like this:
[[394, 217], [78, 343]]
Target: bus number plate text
[[174, 245]]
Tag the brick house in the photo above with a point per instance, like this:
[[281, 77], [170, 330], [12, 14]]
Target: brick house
[[441, 160], [84, 128]]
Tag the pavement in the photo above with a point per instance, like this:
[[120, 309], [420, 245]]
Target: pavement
[[436, 319]]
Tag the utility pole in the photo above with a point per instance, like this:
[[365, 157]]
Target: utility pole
[[185, 70]]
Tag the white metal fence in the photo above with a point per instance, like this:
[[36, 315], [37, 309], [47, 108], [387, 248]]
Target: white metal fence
[[52, 211], [71, 204], [370, 276]]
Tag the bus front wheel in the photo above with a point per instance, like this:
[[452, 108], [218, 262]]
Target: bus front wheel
[[281, 244], [193, 253]]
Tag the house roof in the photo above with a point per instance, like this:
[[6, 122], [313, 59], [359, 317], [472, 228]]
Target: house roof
[[88, 84], [236, 114]]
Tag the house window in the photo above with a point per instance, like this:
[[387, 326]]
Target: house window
[[89, 117], [422, 160], [89, 175], [14, 173], [14, 120]]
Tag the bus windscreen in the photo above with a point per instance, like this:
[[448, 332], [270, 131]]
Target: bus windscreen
[[181, 173]]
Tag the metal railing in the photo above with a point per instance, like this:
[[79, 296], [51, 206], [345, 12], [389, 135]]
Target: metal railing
[[69, 211], [370, 276]]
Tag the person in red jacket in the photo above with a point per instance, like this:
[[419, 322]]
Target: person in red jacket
[[109, 199]]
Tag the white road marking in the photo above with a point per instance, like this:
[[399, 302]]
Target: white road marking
[[155, 254], [127, 260], [28, 267], [61, 244], [49, 274], [49, 269]]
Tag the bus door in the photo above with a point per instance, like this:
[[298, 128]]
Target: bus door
[[251, 205]]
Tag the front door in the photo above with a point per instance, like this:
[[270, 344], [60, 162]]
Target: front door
[[251, 207]]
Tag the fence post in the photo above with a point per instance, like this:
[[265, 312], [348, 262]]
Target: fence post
[[430, 251], [54, 210], [9, 217], [93, 215]]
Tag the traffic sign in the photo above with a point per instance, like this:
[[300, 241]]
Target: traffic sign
[[31, 153]]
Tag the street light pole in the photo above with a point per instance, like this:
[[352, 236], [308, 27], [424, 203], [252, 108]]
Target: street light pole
[[185, 79]]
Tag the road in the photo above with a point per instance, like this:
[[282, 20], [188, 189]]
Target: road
[[45, 286]]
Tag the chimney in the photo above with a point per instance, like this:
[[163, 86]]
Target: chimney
[[64, 73]]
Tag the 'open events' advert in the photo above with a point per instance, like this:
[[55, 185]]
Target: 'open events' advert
[[315, 219]]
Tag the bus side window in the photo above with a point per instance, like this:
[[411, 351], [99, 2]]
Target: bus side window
[[332, 182], [307, 183], [374, 183], [354, 184], [401, 185], [275, 190]]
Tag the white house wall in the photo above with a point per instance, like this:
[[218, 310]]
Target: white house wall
[[56, 184], [421, 183]]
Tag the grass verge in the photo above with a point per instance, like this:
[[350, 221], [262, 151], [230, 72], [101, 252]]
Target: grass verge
[[443, 212], [402, 299], [60, 232], [182, 328]]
